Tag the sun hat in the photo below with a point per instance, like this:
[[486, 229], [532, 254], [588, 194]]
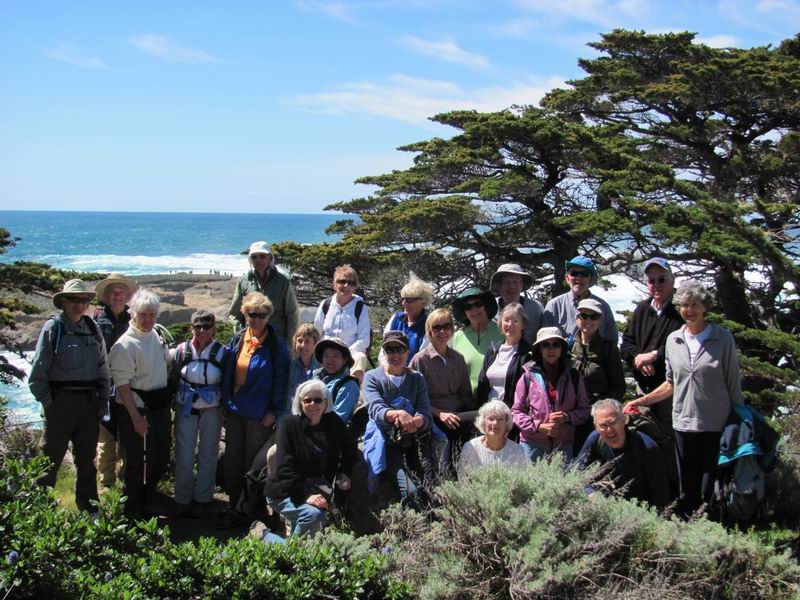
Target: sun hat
[[394, 337], [259, 248], [338, 344], [582, 262], [549, 333], [591, 304], [112, 279], [73, 287], [489, 303], [512, 269], [658, 261]]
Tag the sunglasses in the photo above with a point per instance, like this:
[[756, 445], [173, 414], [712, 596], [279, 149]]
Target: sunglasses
[[77, 299], [255, 315], [583, 274], [589, 316], [202, 327], [471, 305], [259, 256], [409, 300], [442, 327], [314, 400], [656, 280], [550, 345], [350, 282], [394, 349]]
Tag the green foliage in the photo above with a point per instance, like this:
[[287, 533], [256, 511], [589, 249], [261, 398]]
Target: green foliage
[[534, 533], [30, 276]]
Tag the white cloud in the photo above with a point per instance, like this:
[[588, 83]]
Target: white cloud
[[607, 13], [718, 41], [162, 47], [521, 27], [413, 100], [446, 50], [73, 56], [339, 11]]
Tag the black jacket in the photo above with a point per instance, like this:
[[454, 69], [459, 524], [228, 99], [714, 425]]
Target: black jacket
[[112, 327], [307, 456], [523, 355]]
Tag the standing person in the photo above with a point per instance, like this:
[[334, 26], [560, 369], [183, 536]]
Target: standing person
[[447, 378], [253, 397], [198, 364], [510, 282], [597, 360], [304, 363], [264, 277], [345, 316], [415, 296], [70, 378], [550, 399], [702, 377], [139, 362], [114, 292], [561, 310], [343, 388], [475, 309]]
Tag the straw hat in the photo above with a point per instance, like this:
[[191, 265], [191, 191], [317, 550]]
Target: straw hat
[[111, 279], [73, 287]]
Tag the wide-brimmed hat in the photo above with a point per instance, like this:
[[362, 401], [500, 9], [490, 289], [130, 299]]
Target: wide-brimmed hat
[[510, 269], [489, 303], [258, 248], [338, 344], [591, 304], [73, 287], [398, 338], [549, 333], [583, 262], [114, 278]]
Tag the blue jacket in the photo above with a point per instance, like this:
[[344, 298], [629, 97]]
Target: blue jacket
[[415, 333], [264, 390], [346, 398]]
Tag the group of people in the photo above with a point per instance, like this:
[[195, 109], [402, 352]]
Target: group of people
[[498, 378]]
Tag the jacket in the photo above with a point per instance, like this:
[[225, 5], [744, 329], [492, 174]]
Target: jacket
[[532, 405], [415, 334], [380, 393], [344, 401], [341, 322], [278, 288], [600, 365], [264, 390], [112, 327], [521, 357]]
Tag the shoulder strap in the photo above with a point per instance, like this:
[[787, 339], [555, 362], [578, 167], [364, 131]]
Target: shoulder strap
[[339, 385], [59, 332], [359, 309], [326, 305]]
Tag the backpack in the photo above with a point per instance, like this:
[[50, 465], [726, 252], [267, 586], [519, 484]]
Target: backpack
[[185, 355], [61, 331], [740, 490]]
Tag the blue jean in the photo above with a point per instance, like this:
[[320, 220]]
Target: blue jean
[[536, 451], [201, 431], [304, 519]]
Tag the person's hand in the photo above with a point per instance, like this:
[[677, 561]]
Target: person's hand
[[268, 420], [558, 417], [317, 500], [343, 482], [450, 420], [549, 428], [644, 362], [632, 407], [140, 424]]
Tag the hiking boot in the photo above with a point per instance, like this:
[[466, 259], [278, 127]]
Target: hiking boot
[[199, 510], [183, 510], [257, 530]]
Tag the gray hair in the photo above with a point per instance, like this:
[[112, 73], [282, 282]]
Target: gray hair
[[143, 300], [607, 404], [494, 407], [693, 290], [516, 309], [417, 288], [312, 385]]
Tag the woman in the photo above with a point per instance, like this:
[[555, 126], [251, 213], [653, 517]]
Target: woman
[[447, 379], [304, 363], [198, 365], [475, 309], [139, 362], [254, 396], [502, 365], [703, 381], [315, 453], [335, 373], [414, 297], [493, 447], [597, 360], [550, 399], [399, 411]]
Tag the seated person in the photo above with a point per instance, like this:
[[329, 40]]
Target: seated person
[[493, 447], [631, 458], [335, 373]]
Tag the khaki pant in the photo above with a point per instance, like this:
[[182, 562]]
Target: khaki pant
[[108, 453]]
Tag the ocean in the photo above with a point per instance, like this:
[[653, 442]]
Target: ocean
[[138, 243]]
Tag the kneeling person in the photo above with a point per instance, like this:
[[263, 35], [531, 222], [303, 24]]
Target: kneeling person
[[632, 458]]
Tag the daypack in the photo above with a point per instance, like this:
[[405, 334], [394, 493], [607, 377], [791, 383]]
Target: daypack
[[185, 355], [741, 490], [61, 331]]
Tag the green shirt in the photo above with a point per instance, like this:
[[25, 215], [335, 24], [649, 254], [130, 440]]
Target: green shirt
[[473, 347]]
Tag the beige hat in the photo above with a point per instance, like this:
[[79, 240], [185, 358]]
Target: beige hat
[[509, 269], [73, 287], [111, 279], [549, 333]]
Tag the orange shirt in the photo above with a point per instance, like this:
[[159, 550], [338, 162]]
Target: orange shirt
[[249, 345]]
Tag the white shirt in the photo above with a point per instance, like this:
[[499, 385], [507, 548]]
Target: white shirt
[[475, 454], [695, 343], [341, 322]]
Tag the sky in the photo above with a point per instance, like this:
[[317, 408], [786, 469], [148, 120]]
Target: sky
[[279, 105]]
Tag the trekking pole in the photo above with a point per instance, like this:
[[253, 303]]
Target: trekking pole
[[144, 470]]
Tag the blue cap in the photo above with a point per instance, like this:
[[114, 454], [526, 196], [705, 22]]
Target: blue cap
[[583, 262], [658, 261]]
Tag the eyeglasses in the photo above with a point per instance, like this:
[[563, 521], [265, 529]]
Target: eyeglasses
[[350, 282], [589, 316], [255, 315], [656, 280], [314, 400], [583, 274], [475, 304], [550, 345], [409, 300], [259, 256], [607, 424], [77, 299], [394, 349], [203, 326], [442, 327]]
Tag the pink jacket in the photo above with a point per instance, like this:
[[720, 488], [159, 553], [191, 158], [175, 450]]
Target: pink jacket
[[532, 406]]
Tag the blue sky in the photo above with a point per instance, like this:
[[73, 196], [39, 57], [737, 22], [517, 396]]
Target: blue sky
[[277, 106]]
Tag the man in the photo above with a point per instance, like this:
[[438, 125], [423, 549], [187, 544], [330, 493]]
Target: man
[[113, 318], [630, 458], [510, 282], [70, 378], [265, 277], [562, 310], [645, 338]]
